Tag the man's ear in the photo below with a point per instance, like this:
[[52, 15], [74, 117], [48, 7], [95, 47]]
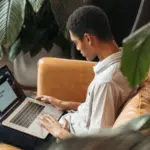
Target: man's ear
[[88, 38]]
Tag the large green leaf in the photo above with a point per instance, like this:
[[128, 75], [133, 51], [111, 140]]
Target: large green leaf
[[36, 4], [1, 52], [137, 124], [11, 19], [136, 56], [15, 50]]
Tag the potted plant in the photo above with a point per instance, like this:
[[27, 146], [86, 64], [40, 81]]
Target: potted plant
[[29, 31], [29, 26]]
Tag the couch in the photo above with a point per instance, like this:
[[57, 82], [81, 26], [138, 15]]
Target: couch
[[68, 80]]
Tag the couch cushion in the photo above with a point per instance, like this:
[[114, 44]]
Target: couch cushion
[[136, 106]]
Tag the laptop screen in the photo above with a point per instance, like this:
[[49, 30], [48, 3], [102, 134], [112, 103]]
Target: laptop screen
[[10, 91], [7, 95]]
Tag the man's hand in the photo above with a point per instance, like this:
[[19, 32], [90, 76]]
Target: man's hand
[[51, 100], [43, 98], [61, 105], [51, 124]]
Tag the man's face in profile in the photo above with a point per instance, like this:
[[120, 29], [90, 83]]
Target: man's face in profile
[[83, 46]]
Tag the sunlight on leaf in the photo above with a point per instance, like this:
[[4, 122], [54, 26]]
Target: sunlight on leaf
[[136, 56], [36, 4]]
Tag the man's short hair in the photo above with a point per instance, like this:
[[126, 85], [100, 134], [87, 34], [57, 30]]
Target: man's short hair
[[92, 20]]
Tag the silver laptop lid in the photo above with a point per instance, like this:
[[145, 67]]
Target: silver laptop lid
[[10, 91]]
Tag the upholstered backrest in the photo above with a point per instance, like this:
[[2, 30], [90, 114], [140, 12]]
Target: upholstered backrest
[[136, 106], [64, 79]]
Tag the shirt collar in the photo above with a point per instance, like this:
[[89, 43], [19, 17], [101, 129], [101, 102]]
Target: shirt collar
[[102, 65]]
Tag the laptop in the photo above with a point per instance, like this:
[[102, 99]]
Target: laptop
[[19, 112]]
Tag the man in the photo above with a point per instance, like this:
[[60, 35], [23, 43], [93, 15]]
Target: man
[[89, 29]]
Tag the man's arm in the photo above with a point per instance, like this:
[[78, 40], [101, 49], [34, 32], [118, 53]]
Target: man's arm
[[62, 105], [106, 102], [69, 105], [103, 114]]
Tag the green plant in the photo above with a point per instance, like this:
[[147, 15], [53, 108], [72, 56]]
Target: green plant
[[136, 56], [29, 26]]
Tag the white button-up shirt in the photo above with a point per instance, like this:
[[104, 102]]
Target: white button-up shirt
[[106, 93]]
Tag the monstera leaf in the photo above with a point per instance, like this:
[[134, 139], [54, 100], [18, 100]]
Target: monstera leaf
[[136, 56], [36, 4], [11, 19]]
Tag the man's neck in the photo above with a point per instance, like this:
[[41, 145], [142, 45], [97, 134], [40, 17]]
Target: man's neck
[[107, 49]]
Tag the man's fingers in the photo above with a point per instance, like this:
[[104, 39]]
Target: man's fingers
[[44, 118], [39, 97], [43, 124], [52, 118], [47, 119], [42, 96], [43, 99]]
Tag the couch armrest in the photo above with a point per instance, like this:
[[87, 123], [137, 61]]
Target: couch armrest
[[7, 147], [136, 106], [64, 79]]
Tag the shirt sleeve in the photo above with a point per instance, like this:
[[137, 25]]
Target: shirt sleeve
[[103, 111]]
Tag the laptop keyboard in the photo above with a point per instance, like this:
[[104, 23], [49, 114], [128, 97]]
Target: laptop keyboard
[[28, 114]]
